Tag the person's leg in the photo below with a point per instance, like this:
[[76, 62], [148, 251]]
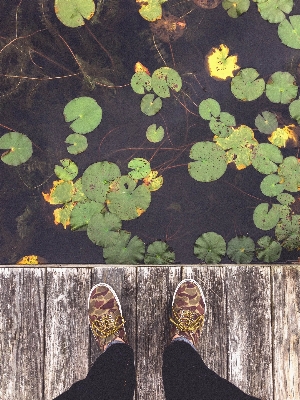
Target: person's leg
[[112, 377], [186, 377]]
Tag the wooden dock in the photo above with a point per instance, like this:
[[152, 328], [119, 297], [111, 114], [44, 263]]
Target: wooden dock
[[251, 335]]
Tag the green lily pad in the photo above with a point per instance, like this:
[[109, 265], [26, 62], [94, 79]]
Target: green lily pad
[[97, 178], [266, 123], [269, 250], [210, 162], [68, 171], [287, 231], [73, 12], [245, 86], [82, 213], [128, 201], [18, 146], [239, 146], [77, 192], [164, 79], [264, 218], [61, 192], [125, 251], [285, 198], [141, 168], [104, 229], [240, 249], [281, 87], [151, 10], [273, 10], [222, 125], [235, 8], [294, 109], [78, 143], [209, 108], [289, 171], [155, 135], [210, 247], [141, 81], [289, 32], [159, 253], [271, 186], [85, 112], [149, 105], [265, 158]]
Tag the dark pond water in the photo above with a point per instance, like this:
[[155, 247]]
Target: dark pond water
[[39, 76]]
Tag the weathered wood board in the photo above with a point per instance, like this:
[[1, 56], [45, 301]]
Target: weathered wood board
[[251, 335]]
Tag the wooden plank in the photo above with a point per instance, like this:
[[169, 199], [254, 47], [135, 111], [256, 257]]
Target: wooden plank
[[286, 320], [66, 328], [249, 330], [213, 342], [155, 287], [21, 327], [123, 281]]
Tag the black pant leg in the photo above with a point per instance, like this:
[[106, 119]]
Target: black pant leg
[[112, 377], [186, 377]]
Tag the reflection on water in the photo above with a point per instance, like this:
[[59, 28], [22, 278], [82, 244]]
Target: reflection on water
[[44, 65]]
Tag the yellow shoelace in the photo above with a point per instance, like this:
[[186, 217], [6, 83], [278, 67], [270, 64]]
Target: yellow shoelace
[[185, 320], [106, 325]]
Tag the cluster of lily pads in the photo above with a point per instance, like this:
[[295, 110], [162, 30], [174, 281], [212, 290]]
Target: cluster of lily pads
[[272, 11]]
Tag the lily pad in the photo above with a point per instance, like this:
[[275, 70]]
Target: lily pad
[[285, 198], [159, 253], [245, 86], [209, 108], [97, 178], [281, 88], [78, 143], [85, 112], [151, 10], [155, 135], [128, 201], [285, 137], [240, 249], [266, 123], [141, 168], [62, 215], [264, 218], [125, 251], [294, 109], [269, 250], [152, 181], [289, 171], [68, 171], [271, 186], [210, 162], [77, 192], [149, 105], [164, 79], [210, 247], [141, 81], [289, 31], [239, 146], [104, 229], [273, 10], [265, 158], [60, 193], [287, 231], [222, 126], [220, 66], [18, 146], [82, 213], [73, 12], [235, 8]]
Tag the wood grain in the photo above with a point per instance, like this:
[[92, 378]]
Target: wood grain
[[21, 333], [66, 329], [249, 330], [286, 321]]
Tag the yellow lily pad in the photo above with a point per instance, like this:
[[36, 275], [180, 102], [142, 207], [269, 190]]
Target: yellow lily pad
[[219, 65], [285, 137]]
